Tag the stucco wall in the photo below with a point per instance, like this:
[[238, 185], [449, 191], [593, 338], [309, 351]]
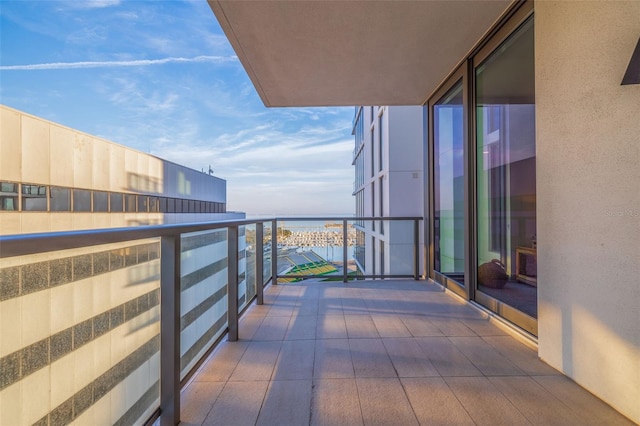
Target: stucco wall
[[588, 187]]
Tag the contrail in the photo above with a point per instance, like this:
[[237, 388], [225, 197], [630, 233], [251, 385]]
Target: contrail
[[104, 64]]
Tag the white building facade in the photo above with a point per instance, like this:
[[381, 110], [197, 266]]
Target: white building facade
[[388, 183], [80, 328]]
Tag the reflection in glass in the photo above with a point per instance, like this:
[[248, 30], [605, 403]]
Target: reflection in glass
[[153, 204], [142, 203], [506, 172], [360, 249], [60, 199], [100, 201], [247, 264], [34, 198], [81, 200], [129, 203], [448, 166], [8, 196], [116, 204], [266, 248], [203, 286]]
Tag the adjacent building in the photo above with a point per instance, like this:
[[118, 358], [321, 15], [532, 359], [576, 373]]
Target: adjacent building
[[64, 315], [388, 183]]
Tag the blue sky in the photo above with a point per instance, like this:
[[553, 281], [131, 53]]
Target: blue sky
[[161, 77]]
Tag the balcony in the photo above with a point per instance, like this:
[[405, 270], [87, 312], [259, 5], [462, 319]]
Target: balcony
[[174, 323], [392, 352]]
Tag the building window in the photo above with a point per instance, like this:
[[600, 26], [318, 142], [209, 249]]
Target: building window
[[153, 204], [100, 201], [81, 200], [8, 196], [34, 198], [130, 202], [60, 199], [143, 203], [116, 202]]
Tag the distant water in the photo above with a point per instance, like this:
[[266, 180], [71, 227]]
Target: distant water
[[309, 225]]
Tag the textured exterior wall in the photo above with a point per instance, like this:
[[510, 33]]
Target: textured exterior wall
[[588, 183]]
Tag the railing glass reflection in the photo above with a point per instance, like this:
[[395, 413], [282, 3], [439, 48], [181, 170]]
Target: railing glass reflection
[[81, 335], [203, 294]]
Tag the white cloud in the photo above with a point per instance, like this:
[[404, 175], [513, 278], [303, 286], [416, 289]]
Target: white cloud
[[107, 64], [270, 171], [92, 4], [279, 160]]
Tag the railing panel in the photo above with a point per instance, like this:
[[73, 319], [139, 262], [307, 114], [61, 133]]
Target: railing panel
[[314, 248], [80, 335], [203, 287], [375, 248], [247, 265], [85, 315], [266, 250], [399, 247]]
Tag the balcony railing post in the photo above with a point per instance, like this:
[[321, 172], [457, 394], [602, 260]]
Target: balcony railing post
[[170, 330], [232, 282], [416, 248], [345, 276], [274, 252], [259, 263]]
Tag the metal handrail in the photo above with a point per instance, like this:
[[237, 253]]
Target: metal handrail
[[26, 244]]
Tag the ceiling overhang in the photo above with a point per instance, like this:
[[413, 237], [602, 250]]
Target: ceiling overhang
[[339, 53]]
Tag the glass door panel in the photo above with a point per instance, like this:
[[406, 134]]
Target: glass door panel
[[448, 186], [506, 173]]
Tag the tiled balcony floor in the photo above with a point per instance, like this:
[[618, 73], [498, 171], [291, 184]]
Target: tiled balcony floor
[[379, 353]]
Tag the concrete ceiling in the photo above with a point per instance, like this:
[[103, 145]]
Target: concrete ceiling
[[339, 52]]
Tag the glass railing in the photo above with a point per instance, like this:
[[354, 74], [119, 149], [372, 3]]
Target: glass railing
[[103, 326], [346, 248]]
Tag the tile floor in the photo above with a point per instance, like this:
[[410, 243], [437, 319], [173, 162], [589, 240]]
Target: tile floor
[[379, 353]]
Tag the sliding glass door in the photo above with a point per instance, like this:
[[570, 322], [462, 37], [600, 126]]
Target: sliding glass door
[[506, 172], [449, 185], [482, 164]]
